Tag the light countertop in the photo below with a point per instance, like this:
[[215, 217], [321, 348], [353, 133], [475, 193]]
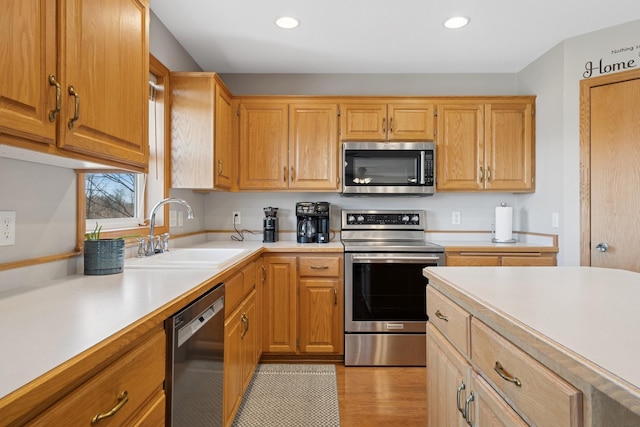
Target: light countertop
[[591, 312], [46, 324]]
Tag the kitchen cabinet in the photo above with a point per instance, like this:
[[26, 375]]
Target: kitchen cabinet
[[201, 132], [287, 145], [131, 387], [404, 120], [523, 257], [303, 304], [518, 390], [486, 146], [241, 328], [84, 97]]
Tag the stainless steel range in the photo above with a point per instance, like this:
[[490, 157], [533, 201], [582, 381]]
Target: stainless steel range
[[385, 291]]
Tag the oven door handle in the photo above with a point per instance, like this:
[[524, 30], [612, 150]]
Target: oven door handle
[[391, 259]]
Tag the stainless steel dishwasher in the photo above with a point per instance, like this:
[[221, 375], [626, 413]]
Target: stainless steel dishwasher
[[195, 362]]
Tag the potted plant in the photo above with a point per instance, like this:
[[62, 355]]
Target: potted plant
[[102, 256]]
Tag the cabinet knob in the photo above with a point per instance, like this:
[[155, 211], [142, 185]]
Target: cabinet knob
[[602, 247]]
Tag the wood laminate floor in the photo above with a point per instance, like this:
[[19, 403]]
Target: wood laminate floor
[[382, 396]]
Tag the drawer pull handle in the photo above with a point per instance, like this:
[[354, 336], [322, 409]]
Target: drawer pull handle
[[319, 267], [441, 316], [500, 370], [123, 398], [461, 410], [466, 409]]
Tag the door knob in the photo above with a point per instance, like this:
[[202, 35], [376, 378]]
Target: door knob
[[602, 247]]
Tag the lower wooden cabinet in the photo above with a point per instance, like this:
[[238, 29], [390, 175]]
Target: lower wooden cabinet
[[127, 392], [496, 259], [493, 384], [241, 328], [303, 304]]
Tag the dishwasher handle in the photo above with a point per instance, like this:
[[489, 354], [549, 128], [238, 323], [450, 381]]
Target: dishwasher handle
[[189, 329]]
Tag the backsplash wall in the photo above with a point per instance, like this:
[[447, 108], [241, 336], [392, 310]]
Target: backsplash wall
[[476, 210]]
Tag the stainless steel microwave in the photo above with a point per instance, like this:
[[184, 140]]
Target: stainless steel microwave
[[388, 168]]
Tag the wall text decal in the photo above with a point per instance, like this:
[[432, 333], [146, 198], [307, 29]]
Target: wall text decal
[[601, 67]]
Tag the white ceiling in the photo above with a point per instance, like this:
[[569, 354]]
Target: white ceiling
[[377, 36]]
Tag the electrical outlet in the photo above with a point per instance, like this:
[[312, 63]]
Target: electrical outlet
[[236, 218], [173, 220], [7, 228], [555, 220], [455, 218]]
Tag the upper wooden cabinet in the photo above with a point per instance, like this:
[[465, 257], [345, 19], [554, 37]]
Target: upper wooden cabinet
[[201, 132], [407, 120], [486, 146], [86, 97], [288, 146]]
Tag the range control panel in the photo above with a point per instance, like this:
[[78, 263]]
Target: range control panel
[[386, 219]]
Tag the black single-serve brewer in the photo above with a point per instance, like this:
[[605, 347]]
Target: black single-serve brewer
[[312, 222], [270, 225]]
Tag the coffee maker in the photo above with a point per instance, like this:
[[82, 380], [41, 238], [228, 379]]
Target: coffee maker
[[307, 223], [270, 225], [312, 222]]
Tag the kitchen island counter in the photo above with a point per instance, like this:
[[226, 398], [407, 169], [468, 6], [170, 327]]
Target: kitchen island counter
[[580, 322]]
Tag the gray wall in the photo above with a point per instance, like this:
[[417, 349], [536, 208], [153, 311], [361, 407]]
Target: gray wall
[[555, 78]]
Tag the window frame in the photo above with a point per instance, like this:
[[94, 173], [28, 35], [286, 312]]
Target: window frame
[[162, 73]]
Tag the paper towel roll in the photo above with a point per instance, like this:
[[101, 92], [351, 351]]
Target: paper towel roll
[[504, 218]]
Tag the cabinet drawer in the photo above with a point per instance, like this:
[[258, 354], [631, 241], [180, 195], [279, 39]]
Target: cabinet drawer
[[249, 277], [328, 266], [233, 293], [140, 373], [542, 397], [533, 261], [449, 318]]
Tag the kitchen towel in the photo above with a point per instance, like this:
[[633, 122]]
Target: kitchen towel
[[504, 221]]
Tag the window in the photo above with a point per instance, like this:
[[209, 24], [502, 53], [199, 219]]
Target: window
[[120, 201]]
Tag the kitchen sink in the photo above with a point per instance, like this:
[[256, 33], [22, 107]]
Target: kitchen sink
[[186, 258]]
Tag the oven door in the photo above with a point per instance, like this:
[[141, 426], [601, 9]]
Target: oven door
[[386, 292]]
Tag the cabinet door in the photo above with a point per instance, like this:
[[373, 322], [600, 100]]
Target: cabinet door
[[320, 315], [223, 143], [263, 146], [460, 148], [249, 338], [364, 122], [233, 361], [279, 309], [27, 58], [105, 63], [509, 152], [192, 127], [448, 384], [411, 122], [488, 409], [313, 146]]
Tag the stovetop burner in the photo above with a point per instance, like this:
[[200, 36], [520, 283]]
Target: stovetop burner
[[385, 231]]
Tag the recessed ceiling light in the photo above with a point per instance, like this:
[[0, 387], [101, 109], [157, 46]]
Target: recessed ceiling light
[[287, 22], [456, 22]]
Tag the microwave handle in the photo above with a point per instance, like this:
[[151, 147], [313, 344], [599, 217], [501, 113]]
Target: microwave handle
[[422, 166]]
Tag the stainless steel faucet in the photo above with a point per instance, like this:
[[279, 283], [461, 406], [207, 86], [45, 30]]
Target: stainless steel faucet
[[159, 245]]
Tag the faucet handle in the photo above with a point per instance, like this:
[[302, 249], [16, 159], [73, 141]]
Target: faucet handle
[[142, 250], [165, 242]]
